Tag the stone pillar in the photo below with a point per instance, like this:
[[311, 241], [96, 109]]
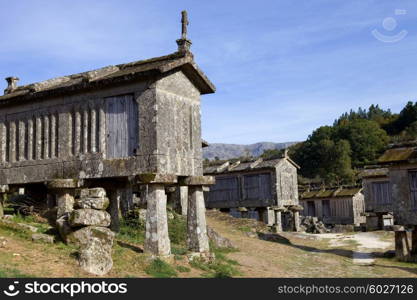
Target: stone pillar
[[125, 200], [243, 212], [114, 209], [183, 194], [261, 215], [197, 239], [402, 247], [63, 189], [156, 238], [278, 221], [296, 219], [3, 190], [64, 201]]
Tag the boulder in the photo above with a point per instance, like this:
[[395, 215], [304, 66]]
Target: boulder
[[44, 238], [89, 217], [94, 258], [218, 240], [93, 193], [83, 236], [94, 203]]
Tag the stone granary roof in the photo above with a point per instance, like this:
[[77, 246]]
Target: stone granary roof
[[183, 60], [331, 193], [258, 164], [400, 153]]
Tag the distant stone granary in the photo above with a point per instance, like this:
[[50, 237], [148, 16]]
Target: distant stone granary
[[401, 160], [378, 200], [343, 206], [260, 189], [118, 127]]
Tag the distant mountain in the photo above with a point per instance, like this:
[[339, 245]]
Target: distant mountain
[[228, 151]]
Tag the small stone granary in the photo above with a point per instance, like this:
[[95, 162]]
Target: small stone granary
[[401, 160], [265, 190], [342, 206], [119, 127], [378, 200]]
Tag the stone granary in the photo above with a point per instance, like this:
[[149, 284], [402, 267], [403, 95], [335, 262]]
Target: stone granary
[[401, 160], [378, 201], [265, 190], [342, 206], [117, 127]]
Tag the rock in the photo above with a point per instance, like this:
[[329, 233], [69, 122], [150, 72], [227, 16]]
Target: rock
[[218, 240], [63, 227], [27, 227], [251, 234], [93, 193], [89, 217], [95, 203], [3, 242], [94, 258], [83, 236], [45, 238], [7, 217], [312, 225]]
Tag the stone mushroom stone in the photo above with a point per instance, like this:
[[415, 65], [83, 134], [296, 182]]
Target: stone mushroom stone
[[89, 217], [95, 203], [94, 258], [83, 236]]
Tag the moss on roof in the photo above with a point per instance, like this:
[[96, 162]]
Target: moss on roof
[[110, 74], [333, 193], [398, 155]]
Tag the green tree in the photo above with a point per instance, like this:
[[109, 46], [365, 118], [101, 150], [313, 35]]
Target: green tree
[[367, 140]]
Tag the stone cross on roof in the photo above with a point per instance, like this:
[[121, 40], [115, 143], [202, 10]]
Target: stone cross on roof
[[184, 23], [184, 43]]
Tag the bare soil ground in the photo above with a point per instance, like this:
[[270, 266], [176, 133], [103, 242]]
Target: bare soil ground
[[306, 255], [261, 254]]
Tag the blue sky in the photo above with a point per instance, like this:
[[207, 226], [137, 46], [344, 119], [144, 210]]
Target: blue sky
[[282, 67]]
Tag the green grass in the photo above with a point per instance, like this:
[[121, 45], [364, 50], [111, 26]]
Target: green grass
[[183, 269], [221, 267], [12, 273], [160, 269], [245, 228], [177, 228]]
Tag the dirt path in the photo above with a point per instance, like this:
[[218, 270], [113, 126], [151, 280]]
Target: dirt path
[[307, 255], [367, 243]]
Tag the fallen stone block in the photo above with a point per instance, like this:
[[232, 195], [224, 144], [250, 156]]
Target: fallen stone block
[[94, 203], [89, 217], [45, 238]]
